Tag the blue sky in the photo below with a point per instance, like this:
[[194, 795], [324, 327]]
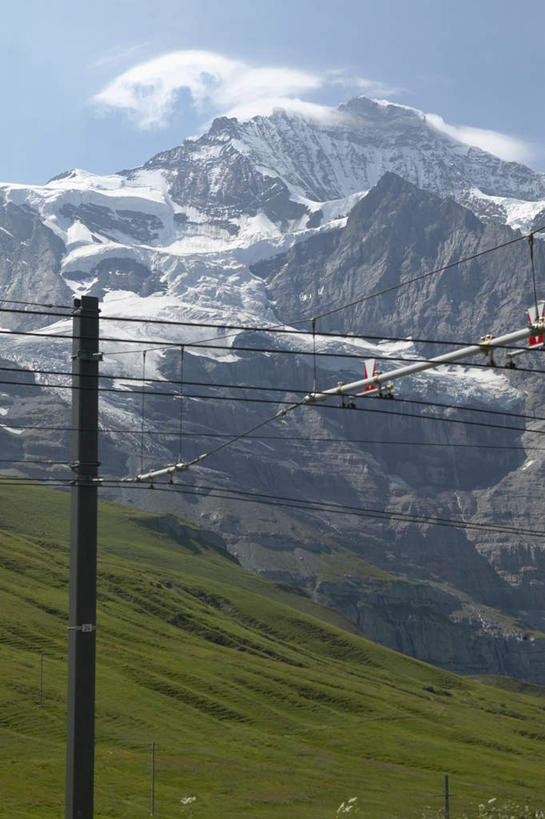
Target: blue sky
[[104, 86]]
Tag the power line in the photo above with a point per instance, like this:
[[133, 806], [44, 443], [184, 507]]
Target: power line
[[298, 438], [285, 501], [245, 399], [45, 462], [325, 506], [35, 304], [350, 356], [161, 345], [234, 439], [437, 270], [353, 356], [323, 440], [283, 329], [224, 326], [182, 466]]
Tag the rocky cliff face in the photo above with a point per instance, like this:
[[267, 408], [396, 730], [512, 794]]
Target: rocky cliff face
[[259, 222]]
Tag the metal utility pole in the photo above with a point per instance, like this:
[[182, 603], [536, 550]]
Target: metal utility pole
[[152, 812], [447, 798], [83, 562]]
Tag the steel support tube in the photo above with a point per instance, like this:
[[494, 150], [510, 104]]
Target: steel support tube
[[484, 346]]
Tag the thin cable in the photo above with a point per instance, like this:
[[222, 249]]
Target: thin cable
[[295, 503], [296, 438], [291, 407], [368, 441], [345, 507], [267, 350], [142, 413], [181, 416], [279, 414], [45, 462], [164, 322], [45, 480], [531, 246], [329, 508], [315, 389], [36, 304], [427, 275], [161, 344], [245, 399]]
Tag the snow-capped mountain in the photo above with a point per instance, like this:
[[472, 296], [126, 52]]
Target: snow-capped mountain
[[187, 224], [269, 220], [289, 167]]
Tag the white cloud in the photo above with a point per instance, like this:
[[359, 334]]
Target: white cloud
[[115, 55], [218, 85], [148, 92], [339, 76], [502, 145], [266, 106]]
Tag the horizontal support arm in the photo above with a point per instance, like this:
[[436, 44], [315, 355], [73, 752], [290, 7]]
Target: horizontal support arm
[[487, 343]]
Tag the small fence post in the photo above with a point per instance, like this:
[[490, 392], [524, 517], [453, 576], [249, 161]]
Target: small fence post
[[152, 779]]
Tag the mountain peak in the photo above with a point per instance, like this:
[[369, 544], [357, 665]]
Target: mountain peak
[[221, 125]]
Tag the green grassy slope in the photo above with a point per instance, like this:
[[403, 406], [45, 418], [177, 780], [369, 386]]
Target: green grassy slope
[[261, 704]]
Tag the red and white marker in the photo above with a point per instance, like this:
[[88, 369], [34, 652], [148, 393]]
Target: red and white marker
[[369, 370], [535, 315]]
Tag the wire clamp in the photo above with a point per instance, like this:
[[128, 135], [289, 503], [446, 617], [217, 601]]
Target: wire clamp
[[85, 627], [75, 465], [85, 355], [487, 349], [387, 391]]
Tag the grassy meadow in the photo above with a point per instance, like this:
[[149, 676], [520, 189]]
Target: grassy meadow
[[260, 703]]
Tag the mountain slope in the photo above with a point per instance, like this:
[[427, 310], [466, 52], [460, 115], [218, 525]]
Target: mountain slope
[[277, 219], [258, 705]]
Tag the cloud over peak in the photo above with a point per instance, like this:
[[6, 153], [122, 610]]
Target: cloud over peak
[[148, 92], [506, 147]]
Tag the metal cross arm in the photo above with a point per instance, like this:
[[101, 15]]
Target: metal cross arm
[[486, 345]]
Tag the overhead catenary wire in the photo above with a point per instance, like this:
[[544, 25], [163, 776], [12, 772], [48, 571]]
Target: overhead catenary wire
[[297, 438], [181, 410], [36, 304], [407, 282], [162, 344], [346, 389], [530, 238], [283, 501], [327, 507], [276, 401], [429, 273], [39, 462], [369, 441], [181, 466], [281, 412], [142, 409], [120, 376]]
